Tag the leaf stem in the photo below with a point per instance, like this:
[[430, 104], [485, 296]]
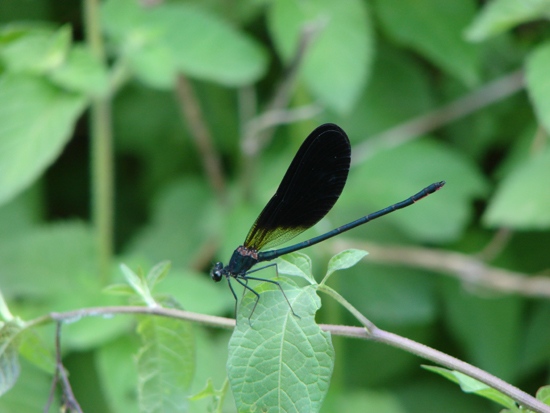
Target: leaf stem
[[102, 158]]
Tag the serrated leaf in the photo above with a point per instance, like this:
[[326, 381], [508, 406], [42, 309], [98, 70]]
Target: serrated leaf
[[81, 72], [36, 121], [296, 264], [498, 16], [335, 74], [281, 363], [343, 260], [165, 363], [538, 82], [157, 273], [471, 385], [519, 203], [434, 29], [9, 357]]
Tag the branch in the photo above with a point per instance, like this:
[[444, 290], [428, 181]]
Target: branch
[[493, 92], [191, 111], [370, 332], [464, 267]]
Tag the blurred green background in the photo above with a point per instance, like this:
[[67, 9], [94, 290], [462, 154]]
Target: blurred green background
[[207, 102]]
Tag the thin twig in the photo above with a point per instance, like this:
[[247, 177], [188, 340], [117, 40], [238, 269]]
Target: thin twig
[[191, 111], [370, 332], [497, 244], [61, 375], [493, 92], [254, 138], [374, 333], [461, 266]]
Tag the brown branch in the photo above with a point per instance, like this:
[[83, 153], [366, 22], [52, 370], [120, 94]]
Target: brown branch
[[255, 134], [191, 111], [493, 92], [61, 375], [466, 268], [369, 333]]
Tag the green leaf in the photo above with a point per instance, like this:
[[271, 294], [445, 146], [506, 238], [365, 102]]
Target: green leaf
[[393, 296], [36, 121], [356, 400], [9, 356], [81, 72], [535, 351], [210, 391], [394, 175], [179, 224], [185, 37], [117, 372], [336, 75], [543, 394], [488, 329], [36, 351], [471, 385], [296, 264], [399, 90], [158, 273], [37, 51], [498, 16], [166, 363], [197, 293], [538, 82], [29, 393], [519, 203], [281, 363], [119, 289], [132, 278], [51, 261], [343, 260], [434, 29]]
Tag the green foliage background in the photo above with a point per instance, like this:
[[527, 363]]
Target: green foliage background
[[371, 66]]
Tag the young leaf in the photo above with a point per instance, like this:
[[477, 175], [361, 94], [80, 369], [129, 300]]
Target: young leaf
[[281, 362], [470, 385], [132, 279], [296, 264], [157, 273], [165, 363], [343, 260], [119, 289], [9, 357]]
